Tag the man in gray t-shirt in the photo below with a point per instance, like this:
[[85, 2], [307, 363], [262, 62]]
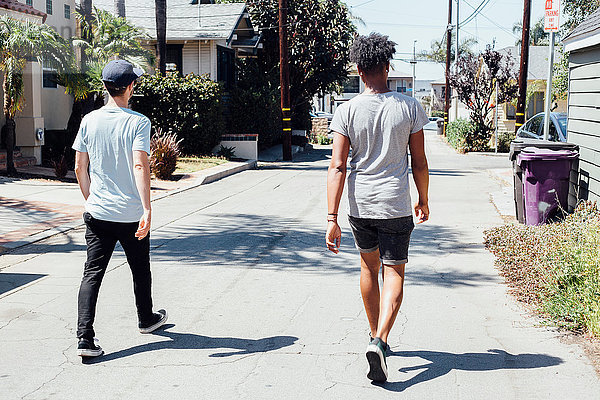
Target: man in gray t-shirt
[[380, 127], [112, 168]]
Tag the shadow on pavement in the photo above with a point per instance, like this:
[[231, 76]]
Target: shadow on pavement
[[191, 341], [10, 281], [441, 363]]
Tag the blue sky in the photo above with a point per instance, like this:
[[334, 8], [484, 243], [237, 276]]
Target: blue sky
[[425, 20]]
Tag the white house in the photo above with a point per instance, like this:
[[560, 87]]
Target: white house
[[201, 38]]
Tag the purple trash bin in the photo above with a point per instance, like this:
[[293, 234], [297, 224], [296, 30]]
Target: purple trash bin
[[545, 182]]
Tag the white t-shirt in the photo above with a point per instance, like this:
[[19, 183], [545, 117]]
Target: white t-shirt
[[378, 127], [109, 136]]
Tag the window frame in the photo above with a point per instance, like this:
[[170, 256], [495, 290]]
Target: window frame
[[49, 7], [67, 11]]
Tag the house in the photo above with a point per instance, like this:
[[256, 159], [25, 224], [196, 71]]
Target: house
[[46, 105], [537, 76], [583, 45], [201, 38], [397, 81]]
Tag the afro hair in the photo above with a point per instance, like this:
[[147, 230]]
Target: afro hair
[[372, 52]]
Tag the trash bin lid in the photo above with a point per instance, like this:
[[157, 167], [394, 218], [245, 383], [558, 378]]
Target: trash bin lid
[[539, 154], [519, 144]]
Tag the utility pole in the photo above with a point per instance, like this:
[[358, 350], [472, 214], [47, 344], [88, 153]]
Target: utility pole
[[284, 82], [448, 56], [457, 41], [520, 120], [414, 66]]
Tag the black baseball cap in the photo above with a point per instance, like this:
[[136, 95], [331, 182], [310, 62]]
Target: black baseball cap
[[120, 73]]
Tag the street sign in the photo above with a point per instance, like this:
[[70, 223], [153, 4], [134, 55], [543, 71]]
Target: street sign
[[552, 16]]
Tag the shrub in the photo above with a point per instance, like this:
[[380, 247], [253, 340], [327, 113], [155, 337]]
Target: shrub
[[504, 140], [165, 151], [556, 267], [226, 152], [189, 106], [457, 133], [61, 167]]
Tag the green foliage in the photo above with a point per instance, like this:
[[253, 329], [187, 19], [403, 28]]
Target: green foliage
[[556, 267], [320, 35], [188, 106], [438, 49], [537, 35], [322, 139], [226, 152], [576, 11], [504, 140], [458, 133], [164, 149], [560, 81], [255, 104], [437, 113]]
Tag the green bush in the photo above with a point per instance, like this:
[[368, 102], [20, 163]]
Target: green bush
[[504, 140], [189, 106], [457, 133], [555, 267], [437, 114]]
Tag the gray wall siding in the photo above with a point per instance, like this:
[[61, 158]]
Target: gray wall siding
[[584, 123]]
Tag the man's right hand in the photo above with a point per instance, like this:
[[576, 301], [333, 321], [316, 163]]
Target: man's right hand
[[333, 238], [421, 212], [144, 225]]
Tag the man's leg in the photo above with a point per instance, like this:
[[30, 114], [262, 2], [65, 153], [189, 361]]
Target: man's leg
[[100, 246], [391, 298], [138, 257], [369, 287]]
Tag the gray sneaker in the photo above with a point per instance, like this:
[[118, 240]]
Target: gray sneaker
[[376, 353], [159, 319]]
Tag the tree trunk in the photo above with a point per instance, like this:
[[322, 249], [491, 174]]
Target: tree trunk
[[161, 34], [120, 8], [9, 130]]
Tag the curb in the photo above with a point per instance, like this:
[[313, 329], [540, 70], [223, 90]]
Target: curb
[[200, 178]]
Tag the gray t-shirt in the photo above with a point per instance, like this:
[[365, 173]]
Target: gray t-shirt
[[109, 136], [379, 126]]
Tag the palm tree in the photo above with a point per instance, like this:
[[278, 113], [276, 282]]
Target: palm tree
[[161, 33], [104, 37], [21, 41]]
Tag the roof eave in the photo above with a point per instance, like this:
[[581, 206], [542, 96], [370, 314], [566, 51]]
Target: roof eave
[[243, 15], [582, 41]]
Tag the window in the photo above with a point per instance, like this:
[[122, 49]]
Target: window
[[67, 11], [174, 58], [534, 124], [29, 2], [511, 112], [49, 7], [352, 85], [226, 67], [49, 78]]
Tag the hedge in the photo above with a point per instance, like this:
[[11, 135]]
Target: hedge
[[189, 106]]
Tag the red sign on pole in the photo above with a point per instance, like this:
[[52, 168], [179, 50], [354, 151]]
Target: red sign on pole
[[552, 16]]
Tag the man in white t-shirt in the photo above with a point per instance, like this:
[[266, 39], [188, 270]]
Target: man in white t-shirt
[[380, 126], [112, 168]]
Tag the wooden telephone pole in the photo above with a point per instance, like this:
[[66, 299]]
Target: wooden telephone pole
[[521, 104], [448, 60], [284, 79]]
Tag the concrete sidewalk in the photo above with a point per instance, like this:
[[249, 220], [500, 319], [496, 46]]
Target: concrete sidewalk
[[260, 310], [35, 209]]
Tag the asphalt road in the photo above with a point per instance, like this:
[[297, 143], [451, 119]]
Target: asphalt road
[[258, 309]]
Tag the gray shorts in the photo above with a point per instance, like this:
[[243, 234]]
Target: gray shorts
[[390, 236]]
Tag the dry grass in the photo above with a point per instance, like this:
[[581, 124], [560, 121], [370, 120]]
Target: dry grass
[[187, 165]]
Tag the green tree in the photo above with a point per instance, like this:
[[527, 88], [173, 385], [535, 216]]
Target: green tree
[[104, 37], [537, 35], [438, 49], [20, 42], [320, 35]]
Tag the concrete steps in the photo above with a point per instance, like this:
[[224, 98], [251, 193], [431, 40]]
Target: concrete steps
[[18, 159]]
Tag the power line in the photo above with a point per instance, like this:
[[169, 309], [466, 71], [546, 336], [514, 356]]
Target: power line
[[493, 22], [362, 4], [475, 12]]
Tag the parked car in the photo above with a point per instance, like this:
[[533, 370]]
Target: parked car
[[433, 123], [322, 114], [534, 127]]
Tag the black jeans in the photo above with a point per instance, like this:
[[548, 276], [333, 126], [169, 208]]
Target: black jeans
[[101, 237]]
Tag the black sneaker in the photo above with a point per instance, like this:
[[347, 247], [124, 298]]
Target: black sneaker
[[376, 353], [87, 348], [159, 319]]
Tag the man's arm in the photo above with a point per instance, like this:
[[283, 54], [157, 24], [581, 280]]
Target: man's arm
[[82, 161], [420, 171], [141, 173], [336, 177]]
